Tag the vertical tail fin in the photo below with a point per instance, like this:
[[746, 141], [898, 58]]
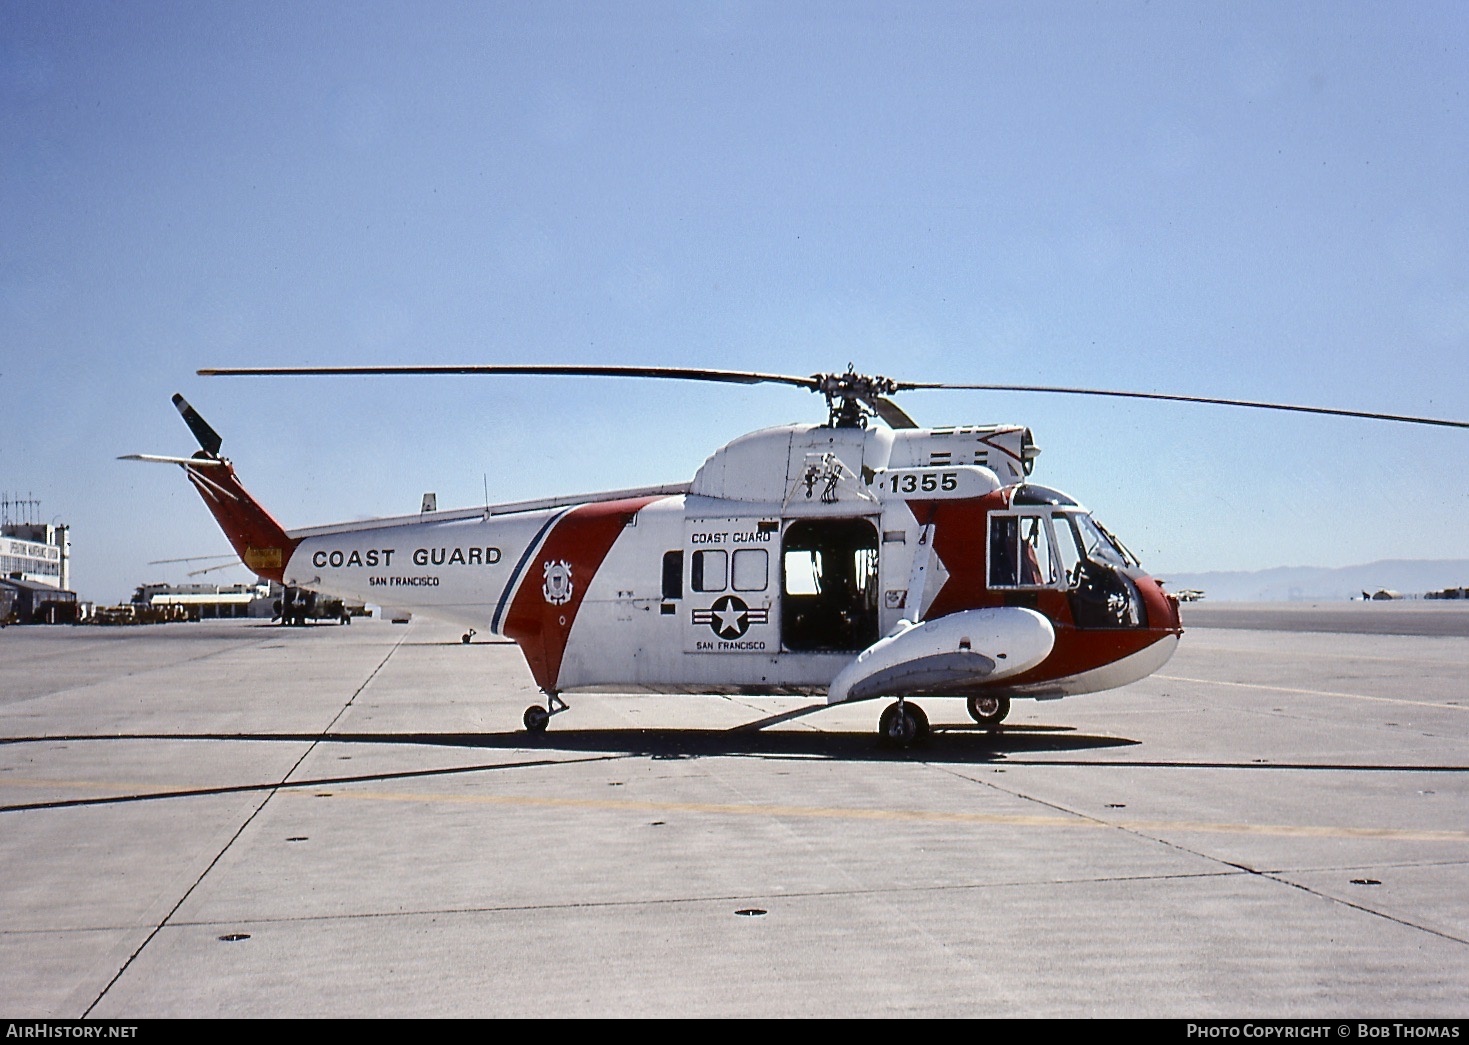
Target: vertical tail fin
[[257, 538], [209, 439]]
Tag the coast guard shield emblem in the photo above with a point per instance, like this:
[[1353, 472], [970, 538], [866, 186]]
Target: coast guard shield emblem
[[557, 586]]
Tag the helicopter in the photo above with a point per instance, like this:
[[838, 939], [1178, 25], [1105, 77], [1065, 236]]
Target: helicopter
[[843, 560]]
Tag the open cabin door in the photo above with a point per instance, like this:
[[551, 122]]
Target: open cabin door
[[731, 577], [829, 584]]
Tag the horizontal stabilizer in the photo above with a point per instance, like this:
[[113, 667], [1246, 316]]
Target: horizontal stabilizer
[[162, 459]]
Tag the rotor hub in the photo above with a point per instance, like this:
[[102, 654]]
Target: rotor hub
[[852, 385], [850, 396]]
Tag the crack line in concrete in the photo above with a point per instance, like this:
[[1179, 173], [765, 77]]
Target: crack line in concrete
[[241, 830], [1272, 876]]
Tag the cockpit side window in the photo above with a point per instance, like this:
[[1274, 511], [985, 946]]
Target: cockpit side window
[[1004, 543], [1069, 548], [1021, 551]]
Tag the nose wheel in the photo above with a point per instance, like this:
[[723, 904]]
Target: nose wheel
[[902, 725], [988, 710]]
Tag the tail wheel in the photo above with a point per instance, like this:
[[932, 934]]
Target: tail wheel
[[988, 710], [902, 725]]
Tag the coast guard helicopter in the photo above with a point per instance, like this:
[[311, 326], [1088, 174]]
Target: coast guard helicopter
[[843, 560]]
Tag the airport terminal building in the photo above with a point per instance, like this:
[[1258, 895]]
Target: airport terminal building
[[35, 574]]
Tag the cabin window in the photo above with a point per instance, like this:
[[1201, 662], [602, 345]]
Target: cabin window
[[673, 575], [710, 570], [751, 569]]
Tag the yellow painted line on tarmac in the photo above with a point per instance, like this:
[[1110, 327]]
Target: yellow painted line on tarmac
[[1317, 692], [1150, 827], [906, 815]]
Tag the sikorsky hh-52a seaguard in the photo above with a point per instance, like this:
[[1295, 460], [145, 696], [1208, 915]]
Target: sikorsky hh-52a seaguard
[[843, 560]]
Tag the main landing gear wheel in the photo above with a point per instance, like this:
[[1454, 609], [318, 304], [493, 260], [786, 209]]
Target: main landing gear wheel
[[903, 725], [989, 711], [536, 718]]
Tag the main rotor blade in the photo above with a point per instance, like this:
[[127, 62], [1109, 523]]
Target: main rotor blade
[[1253, 404], [844, 386], [194, 558], [679, 373], [890, 412]]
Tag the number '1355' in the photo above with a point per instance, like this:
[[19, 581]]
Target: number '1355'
[[926, 483]]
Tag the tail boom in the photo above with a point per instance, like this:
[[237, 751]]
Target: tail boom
[[260, 541]]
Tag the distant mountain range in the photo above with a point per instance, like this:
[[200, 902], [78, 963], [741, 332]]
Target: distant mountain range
[[1323, 584]]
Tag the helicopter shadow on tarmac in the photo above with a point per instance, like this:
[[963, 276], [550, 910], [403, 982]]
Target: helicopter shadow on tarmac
[[952, 745], [956, 744]]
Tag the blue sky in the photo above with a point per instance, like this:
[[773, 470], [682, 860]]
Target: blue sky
[[1266, 201]]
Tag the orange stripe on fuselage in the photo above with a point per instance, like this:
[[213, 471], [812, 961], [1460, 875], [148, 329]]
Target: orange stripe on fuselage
[[581, 539]]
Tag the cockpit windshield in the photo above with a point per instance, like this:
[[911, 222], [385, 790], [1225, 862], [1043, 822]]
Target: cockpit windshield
[[1023, 554], [1102, 595], [1061, 546], [1100, 545]]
